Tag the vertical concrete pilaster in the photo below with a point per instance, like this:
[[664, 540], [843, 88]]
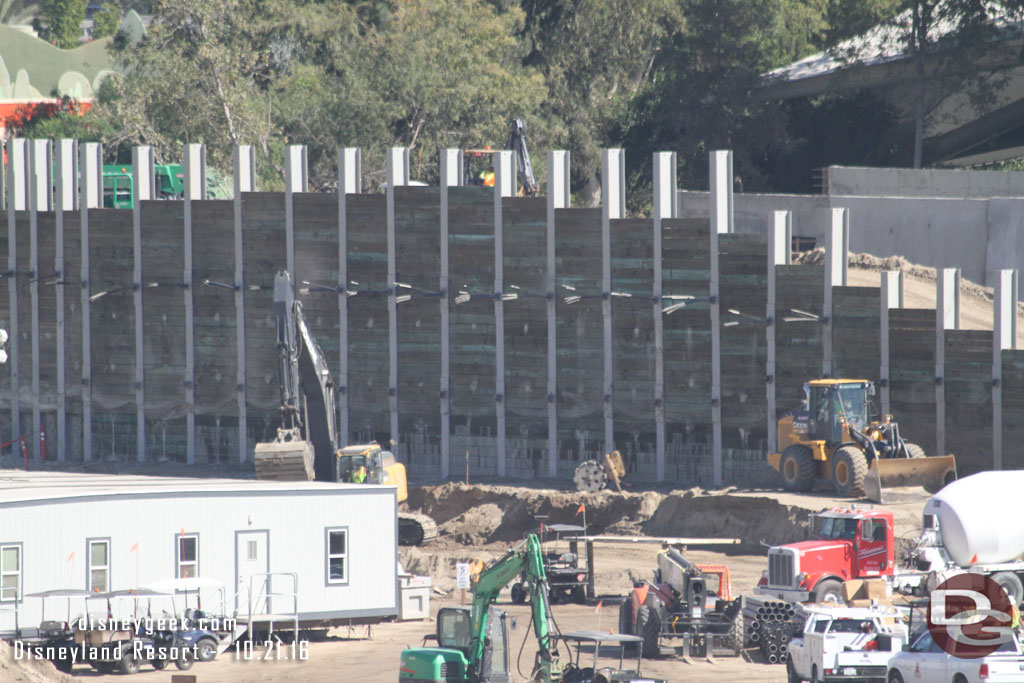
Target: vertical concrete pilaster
[[613, 206], [558, 198], [296, 179], [451, 176], [504, 186], [664, 207], [1004, 337], [397, 174], [721, 223], [194, 161], [780, 252], [244, 167], [90, 196], [40, 170], [350, 181], [144, 182], [947, 317], [66, 193], [17, 200], [891, 297], [837, 248]]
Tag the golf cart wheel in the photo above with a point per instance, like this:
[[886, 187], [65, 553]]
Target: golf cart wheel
[[63, 661], [206, 649], [128, 664], [159, 663], [579, 594], [186, 660]]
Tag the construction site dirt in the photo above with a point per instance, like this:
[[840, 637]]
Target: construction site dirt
[[482, 521]]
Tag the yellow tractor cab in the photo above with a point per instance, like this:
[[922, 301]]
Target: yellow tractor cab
[[835, 437]]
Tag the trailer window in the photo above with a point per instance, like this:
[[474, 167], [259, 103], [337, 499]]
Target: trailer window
[[10, 572], [187, 552], [337, 555], [99, 566]]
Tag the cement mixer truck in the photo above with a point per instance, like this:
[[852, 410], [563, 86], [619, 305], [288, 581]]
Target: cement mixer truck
[[970, 525]]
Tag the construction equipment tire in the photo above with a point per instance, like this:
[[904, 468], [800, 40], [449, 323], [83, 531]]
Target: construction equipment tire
[[737, 634], [1010, 583], [518, 593], [648, 627], [797, 468], [590, 477], [626, 617], [913, 450], [849, 467]]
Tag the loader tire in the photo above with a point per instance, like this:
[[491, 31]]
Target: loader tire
[[797, 468], [849, 467], [648, 627], [913, 450], [737, 634]]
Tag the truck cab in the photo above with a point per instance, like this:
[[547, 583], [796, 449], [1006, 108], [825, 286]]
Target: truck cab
[[844, 544], [845, 644]]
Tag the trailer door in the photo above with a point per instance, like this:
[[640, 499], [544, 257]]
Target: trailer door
[[252, 563]]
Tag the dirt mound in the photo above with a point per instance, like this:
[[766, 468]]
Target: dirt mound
[[26, 670], [720, 515], [481, 514]]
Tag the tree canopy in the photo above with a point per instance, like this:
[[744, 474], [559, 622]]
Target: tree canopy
[[647, 75]]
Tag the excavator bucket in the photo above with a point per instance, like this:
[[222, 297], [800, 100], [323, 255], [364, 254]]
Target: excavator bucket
[[931, 474], [284, 460]]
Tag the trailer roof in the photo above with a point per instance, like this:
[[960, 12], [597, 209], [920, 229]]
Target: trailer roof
[[19, 486]]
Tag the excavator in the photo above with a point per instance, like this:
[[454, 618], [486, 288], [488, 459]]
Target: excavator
[[473, 644], [472, 160], [306, 446]]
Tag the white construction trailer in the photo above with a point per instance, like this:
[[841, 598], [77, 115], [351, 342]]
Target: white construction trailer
[[296, 553]]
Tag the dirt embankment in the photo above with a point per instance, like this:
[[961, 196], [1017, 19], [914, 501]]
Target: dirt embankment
[[27, 671], [482, 514]]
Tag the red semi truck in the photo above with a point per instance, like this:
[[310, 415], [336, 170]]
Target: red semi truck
[[845, 543]]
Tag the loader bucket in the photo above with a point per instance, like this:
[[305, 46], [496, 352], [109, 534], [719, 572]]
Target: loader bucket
[[931, 474]]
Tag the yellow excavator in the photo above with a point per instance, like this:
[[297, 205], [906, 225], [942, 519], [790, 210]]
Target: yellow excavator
[[833, 438], [306, 446]]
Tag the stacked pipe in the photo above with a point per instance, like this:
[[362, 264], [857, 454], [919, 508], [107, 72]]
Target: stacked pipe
[[770, 625]]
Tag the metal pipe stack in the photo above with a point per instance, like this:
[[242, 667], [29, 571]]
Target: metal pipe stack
[[769, 625]]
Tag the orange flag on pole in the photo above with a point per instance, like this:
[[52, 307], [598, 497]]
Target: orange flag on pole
[[134, 547], [582, 508], [597, 609], [71, 556]]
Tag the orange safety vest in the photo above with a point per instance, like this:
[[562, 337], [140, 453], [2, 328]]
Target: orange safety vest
[[489, 179]]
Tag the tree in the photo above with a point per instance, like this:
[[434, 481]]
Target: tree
[[107, 21], [596, 56], [61, 22]]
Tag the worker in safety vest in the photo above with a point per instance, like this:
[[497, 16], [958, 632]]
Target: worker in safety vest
[[487, 177], [359, 476]]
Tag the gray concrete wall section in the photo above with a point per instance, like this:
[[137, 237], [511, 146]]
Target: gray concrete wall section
[[844, 181], [548, 331]]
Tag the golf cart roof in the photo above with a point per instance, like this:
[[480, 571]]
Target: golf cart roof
[[131, 593], [602, 637], [62, 593], [187, 584]]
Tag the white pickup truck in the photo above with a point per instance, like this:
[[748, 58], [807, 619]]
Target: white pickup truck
[[845, 644]]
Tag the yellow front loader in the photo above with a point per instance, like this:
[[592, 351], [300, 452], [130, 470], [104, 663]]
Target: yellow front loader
[[833, 438]]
